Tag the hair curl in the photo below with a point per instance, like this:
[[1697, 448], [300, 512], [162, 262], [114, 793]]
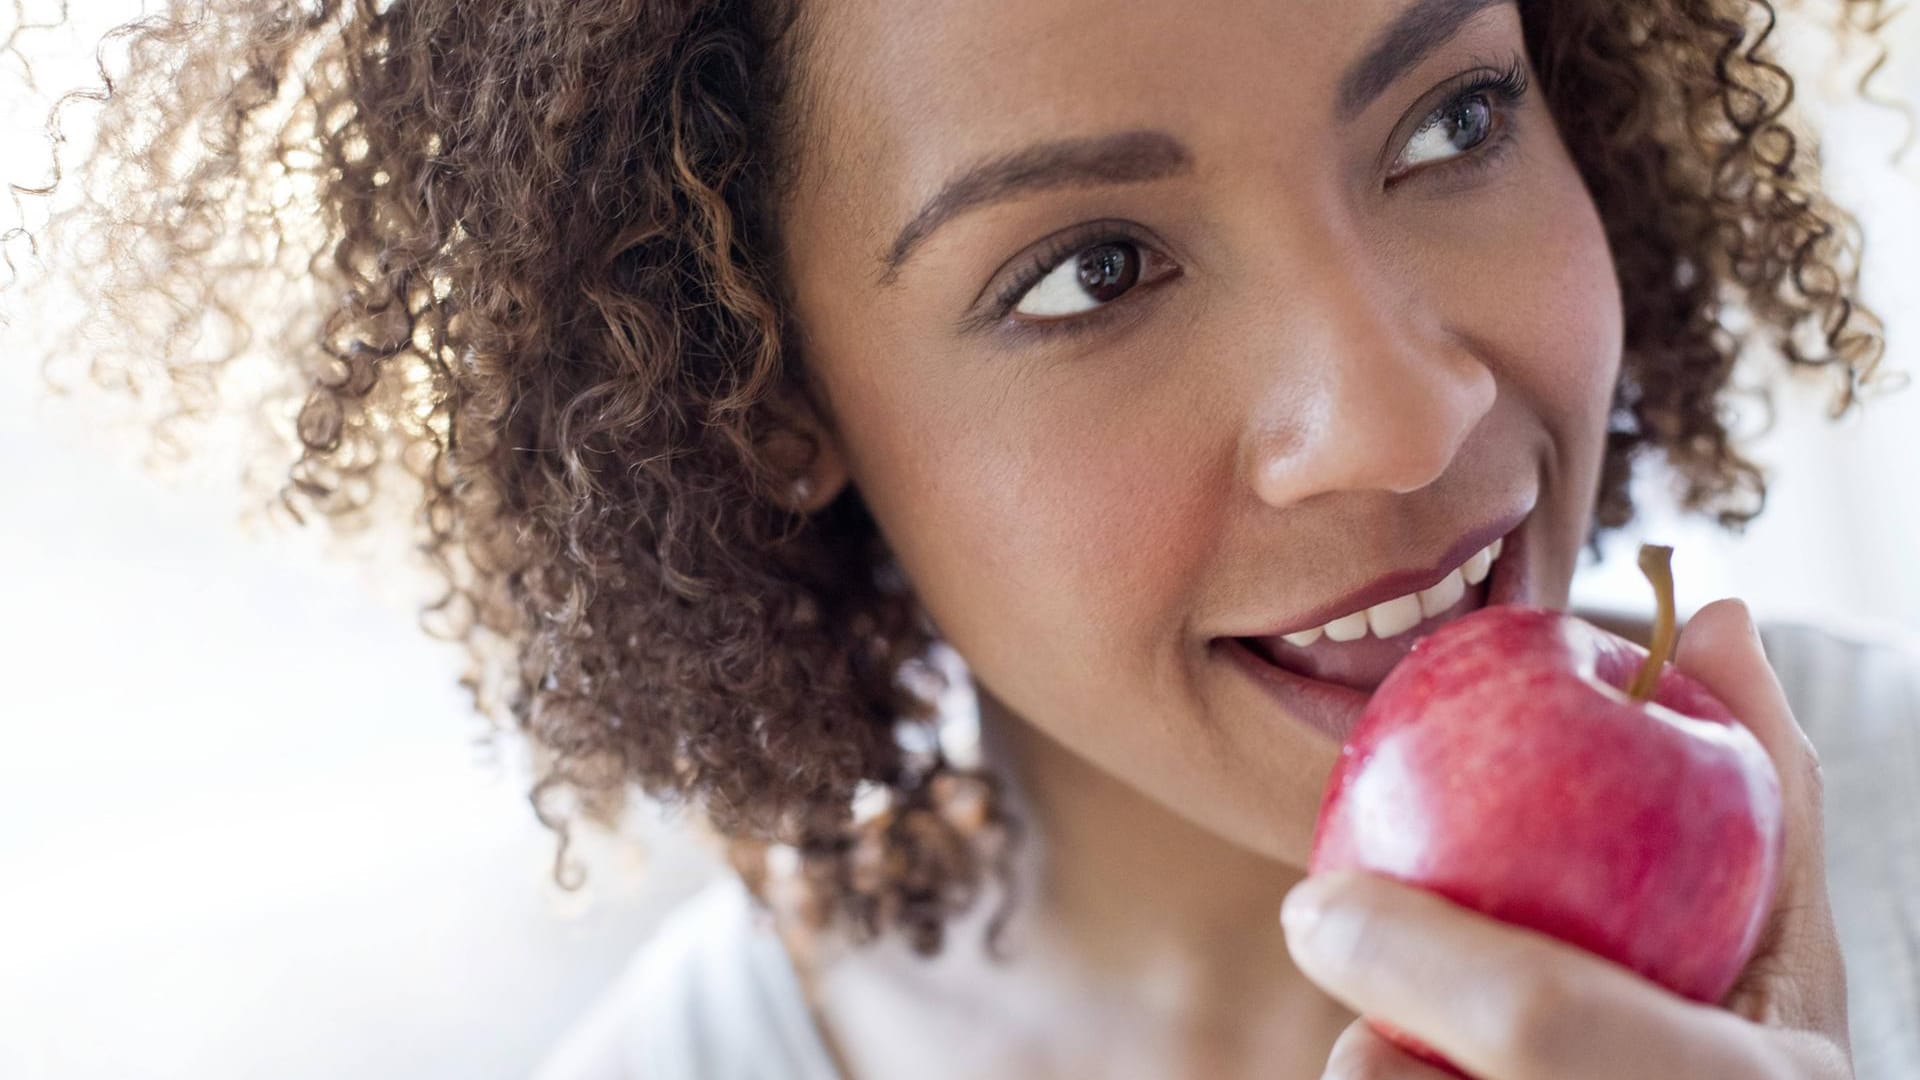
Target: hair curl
[[540, 286]]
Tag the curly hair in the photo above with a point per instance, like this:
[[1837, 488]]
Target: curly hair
[[540, 297]]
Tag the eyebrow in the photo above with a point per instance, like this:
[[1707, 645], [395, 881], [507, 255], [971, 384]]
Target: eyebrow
[[1137, 156], [1125, 158], [1417, 31]]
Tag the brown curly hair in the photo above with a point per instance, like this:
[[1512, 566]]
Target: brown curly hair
[[541, 287]]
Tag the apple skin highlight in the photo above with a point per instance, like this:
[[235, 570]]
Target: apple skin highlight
[[1503, 765]]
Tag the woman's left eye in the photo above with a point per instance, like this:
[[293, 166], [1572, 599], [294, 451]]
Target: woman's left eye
[[1475, 122], [1453, 129]]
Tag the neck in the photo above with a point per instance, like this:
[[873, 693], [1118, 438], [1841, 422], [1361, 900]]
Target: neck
[[1123, 894]]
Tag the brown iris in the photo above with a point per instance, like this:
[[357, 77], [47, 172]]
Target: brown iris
[[1108, 270]]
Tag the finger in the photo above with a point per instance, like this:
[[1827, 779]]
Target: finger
[[1720, 646], [1361, 1054], [1499, 1001], [1798, 955]]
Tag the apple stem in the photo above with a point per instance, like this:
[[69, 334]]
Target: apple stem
[[1656, 562]]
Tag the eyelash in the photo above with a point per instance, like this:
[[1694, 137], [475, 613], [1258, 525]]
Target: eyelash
[[1507, 86], [1045, 261]]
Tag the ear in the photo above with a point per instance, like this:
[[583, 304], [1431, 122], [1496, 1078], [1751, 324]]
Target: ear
[[807, 453]]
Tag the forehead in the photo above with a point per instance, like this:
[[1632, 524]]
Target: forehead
[[902, 93]]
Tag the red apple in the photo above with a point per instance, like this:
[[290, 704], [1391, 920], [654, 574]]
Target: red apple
[[1505, 765]]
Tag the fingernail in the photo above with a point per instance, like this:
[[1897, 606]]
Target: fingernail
[[1746, 613], [1753, 628]]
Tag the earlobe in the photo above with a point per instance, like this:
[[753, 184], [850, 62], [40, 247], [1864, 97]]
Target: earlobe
[[820, 483], [808, 456]]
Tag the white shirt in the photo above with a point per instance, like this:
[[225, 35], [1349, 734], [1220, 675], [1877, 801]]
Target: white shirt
[[714, 996]]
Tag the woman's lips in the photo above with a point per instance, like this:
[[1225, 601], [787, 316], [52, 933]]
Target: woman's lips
[[1327, 684], [1326, 707]]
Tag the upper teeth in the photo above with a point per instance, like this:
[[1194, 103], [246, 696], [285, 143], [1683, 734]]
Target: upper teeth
[[1403, 613]]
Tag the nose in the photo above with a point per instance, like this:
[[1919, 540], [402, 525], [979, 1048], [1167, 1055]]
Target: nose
[[1360, 394]]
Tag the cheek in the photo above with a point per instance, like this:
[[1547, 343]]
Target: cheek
[[1050, 547], [1535, 285], [1572, 303], [1579, 336], [1040, 538], [1544, 300]]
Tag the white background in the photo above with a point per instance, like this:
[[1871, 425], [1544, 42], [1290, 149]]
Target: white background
[[220, 857]]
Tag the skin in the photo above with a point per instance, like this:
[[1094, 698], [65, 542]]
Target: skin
[[1329, 370]]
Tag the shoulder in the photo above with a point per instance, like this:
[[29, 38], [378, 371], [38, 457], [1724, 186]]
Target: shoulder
[[1852, 681], [710, 994], [1856, 691]]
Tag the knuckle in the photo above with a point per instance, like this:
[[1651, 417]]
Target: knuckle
[[1359, 943], [1538, 1020], [1811, 770], [1349, 934]]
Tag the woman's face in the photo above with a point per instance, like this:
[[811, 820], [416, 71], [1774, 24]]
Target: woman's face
[[1149, 328]]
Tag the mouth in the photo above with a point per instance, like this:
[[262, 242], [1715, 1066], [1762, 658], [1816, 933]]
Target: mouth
[[1325, 672]]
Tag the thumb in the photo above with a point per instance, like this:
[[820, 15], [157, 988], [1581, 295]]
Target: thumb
[[1720, 647]]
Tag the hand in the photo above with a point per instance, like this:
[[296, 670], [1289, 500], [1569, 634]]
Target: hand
[[1505, 1003]]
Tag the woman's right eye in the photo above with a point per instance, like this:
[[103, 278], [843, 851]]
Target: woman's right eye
[[1091, 279]]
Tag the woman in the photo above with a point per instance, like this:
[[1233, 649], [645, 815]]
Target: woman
[[1140, 353]]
